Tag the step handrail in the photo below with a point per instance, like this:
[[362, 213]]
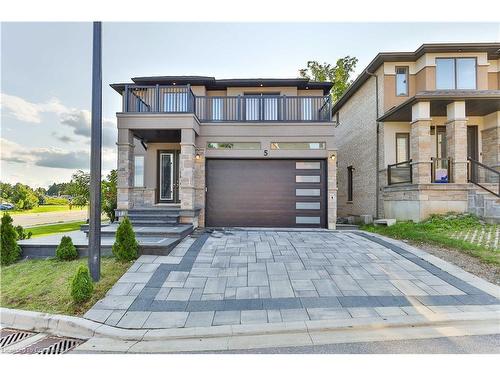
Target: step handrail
[[469, 177]]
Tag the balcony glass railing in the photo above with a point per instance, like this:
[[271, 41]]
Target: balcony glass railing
[[244, 108], [399, 173]]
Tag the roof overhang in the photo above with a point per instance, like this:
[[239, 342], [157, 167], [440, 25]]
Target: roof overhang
[[477, 103], [220, 84], [492, 49]]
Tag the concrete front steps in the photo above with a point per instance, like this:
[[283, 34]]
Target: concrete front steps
[[484, 204]]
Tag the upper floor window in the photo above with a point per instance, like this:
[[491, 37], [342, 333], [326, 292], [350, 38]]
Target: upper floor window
[[456, 73], [402, 81]]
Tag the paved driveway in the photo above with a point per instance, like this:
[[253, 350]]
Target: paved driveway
[[244, 277]]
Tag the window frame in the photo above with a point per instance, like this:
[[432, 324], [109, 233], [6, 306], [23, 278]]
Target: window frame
[[143, 171], [407, 75], [350, 178], [455, 72], [407, 136]]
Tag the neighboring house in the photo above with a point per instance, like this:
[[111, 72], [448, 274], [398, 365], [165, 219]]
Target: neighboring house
[[228, 152], [415, 128]]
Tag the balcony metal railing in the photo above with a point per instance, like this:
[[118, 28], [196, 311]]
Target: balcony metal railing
[[244, 108], [441, 170], [399, 173], [483, 176]]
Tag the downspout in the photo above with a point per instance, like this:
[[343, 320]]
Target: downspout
[[377, 161]]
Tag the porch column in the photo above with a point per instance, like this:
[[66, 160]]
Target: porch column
[[456, 141], [186, 166], [125, 171], [332, 189], [491, 140], [420, 143]]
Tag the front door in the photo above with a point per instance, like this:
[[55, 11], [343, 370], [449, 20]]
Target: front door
[[472, 149], [168, 177]]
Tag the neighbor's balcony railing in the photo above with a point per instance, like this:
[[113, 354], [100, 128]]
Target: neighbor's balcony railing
[[244, 108], [484, 176]]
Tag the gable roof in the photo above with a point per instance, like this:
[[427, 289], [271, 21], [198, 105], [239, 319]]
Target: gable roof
[[492, 49]]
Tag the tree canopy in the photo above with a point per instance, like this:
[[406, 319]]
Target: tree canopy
[[339, 74]]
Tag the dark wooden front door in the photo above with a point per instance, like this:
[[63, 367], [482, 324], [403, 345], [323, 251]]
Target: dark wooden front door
[[265, 193], [167, 176]]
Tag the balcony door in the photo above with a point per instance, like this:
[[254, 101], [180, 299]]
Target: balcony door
[[261, 106], [168, 177]]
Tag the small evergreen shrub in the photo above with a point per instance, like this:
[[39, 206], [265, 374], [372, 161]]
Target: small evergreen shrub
[[9, 249], [125, 246], [22, 234], [81, 285], [66, 250]]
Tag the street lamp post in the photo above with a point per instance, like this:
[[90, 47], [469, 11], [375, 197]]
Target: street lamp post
[[95, 157]]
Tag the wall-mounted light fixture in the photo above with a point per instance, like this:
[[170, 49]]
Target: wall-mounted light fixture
[[333, 156], [197, 156]]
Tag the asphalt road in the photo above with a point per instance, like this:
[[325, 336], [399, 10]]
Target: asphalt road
[[28, 220], [487, 344]]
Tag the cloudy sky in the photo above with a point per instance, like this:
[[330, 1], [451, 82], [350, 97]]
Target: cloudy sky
[[46, 73]]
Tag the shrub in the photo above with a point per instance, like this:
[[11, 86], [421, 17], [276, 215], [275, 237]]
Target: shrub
[[125, 246], [22, 234], [66, 250], [9, 249], [81, 285]]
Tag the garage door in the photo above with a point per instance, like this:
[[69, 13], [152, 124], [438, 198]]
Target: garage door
[[265, 193]]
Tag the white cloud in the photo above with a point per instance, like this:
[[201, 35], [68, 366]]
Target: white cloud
[[26, 111], [77, 119]]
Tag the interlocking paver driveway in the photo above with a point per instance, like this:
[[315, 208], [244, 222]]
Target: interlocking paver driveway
[[245, 277]]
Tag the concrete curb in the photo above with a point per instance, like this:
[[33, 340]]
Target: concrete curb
[[62, 325]]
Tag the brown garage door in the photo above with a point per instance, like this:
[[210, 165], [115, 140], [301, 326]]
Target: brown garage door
[[265, 193]]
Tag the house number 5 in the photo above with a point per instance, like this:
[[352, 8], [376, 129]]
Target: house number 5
[[266, 153]]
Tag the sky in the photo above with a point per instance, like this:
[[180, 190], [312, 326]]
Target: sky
[[46, 73]]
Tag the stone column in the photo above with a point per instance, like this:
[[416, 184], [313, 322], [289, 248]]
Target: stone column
[[491, 140], [125, 170], [420, 143], [332, 189], [456, 141], [186, 165]]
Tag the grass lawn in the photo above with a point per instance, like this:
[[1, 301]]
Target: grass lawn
[[43, 285], [44, 230], [461, 232], [46, 208]]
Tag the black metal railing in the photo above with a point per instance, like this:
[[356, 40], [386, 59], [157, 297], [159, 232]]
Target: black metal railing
[[399, 173], [171, 99], [483, 176], [243, 108], [441, 170]]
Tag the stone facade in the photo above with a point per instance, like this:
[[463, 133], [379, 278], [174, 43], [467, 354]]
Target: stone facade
[[199, 185], [332, 190], [357, 134], [125, 169], [186, 167], [491, 146], [418, 202], [143, 197]]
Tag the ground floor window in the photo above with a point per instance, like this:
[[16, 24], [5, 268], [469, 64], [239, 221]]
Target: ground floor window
[[234, 145], [350, 169], [139, 171], [298, 145], [402, 147]]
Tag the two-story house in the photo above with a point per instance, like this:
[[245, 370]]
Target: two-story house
[[419, 133], [228, 152]]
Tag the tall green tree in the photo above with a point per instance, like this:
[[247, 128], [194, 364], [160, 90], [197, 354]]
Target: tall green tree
[[109, 194], [79, 188], [339, 74], [9, 249]]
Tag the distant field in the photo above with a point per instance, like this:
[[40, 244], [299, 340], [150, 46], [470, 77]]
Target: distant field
[[45, 230], [45, 208]]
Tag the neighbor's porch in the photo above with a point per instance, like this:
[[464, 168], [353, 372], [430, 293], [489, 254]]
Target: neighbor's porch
[[432, 159]]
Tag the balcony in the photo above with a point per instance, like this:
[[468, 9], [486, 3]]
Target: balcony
[[243, 108]]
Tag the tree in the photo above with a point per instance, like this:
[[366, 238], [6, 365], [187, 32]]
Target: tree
[[66, 250], [9, 249], [79, 188], [24, 197], [109, 194], [339, 74], [81, 285]]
